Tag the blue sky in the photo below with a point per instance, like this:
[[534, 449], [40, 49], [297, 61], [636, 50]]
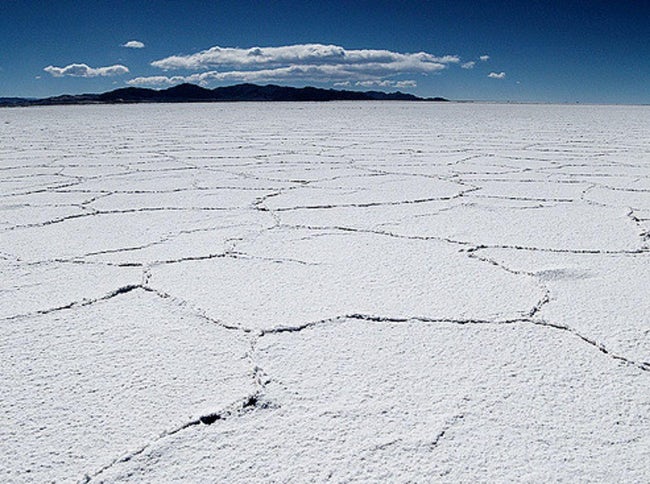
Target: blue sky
[[546, 51]]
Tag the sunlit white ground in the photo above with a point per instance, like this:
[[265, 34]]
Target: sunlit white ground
[[310, 292]]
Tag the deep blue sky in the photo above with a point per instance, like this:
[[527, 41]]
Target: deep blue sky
[[550, 51]]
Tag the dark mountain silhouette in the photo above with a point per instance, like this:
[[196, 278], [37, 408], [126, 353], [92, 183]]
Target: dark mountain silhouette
[[8, 101], [184, 93]]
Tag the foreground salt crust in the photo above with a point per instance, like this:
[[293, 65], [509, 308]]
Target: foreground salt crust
[[84, 385], [344, 291], [405, 401], [291, 278]]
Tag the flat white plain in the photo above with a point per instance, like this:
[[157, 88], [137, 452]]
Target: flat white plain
[[343, 291]]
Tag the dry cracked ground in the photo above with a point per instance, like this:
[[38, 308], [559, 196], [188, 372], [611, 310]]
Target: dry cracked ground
[[325, 292]]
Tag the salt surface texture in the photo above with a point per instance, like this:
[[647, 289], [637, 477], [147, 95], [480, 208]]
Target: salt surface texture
[[343, 291]]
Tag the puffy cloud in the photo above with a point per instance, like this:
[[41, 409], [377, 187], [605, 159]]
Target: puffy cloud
[[133, 44], [495, 75], [468, 65], [377, 83], [155, 81], [303, 54], [301, 62], [407, 83], [484, 58], [313, 62], [387, 83], [83, 70]]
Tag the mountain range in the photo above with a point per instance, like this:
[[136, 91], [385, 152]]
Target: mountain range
[[193, 93]]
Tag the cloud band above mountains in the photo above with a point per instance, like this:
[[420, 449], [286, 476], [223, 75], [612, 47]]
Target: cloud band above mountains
[[294, 62], [302, 54]]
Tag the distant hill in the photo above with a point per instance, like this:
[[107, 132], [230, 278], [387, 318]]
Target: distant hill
[[9, 101], [185, 93]]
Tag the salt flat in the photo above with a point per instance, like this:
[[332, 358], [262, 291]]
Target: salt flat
[[325, 292]]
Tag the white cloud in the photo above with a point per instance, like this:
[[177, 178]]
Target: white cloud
[[375, 83], [156, 81], [315, 62], [484, 58], [495, 75], [303, 54], [302, 62], [403, 84], [342, 84], [83, 70], [468, 65], [386, 83], [133, 44]]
